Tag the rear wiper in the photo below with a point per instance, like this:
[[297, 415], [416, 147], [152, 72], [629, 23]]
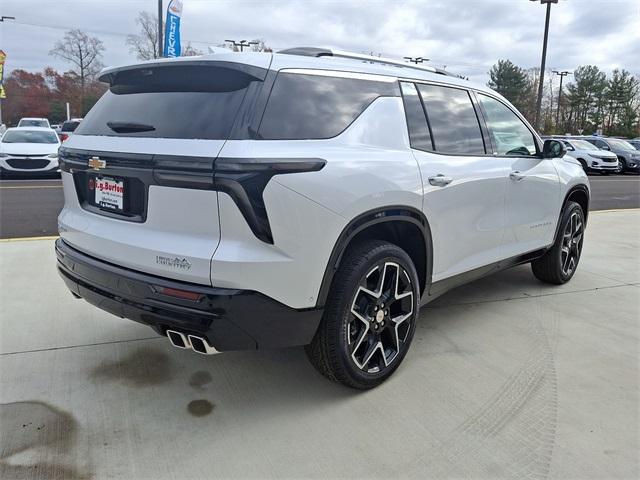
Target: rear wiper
[[130, 127]]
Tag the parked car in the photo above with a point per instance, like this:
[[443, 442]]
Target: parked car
[[308, 197], [629, 159], [34, 122], [634, 143], [590, 157], [68, 127], [29, 150]]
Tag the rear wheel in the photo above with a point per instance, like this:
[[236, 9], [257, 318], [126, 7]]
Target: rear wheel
[[558, 265], [369, 318]]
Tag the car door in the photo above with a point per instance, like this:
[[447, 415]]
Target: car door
[[464, 187], [533, 189]]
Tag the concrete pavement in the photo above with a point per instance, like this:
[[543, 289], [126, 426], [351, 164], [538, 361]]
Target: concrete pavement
[[506, 378]]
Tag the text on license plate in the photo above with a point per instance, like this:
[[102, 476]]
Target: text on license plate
[[110, 193]]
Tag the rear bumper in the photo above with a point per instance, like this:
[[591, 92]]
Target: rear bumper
[[228, 319]]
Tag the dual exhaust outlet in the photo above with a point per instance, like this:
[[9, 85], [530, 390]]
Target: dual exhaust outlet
[[198, 344]]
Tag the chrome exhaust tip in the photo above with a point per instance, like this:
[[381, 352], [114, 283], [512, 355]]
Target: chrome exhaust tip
[[178, 339], [201, 345]]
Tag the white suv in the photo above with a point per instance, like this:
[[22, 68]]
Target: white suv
[[309, 197]]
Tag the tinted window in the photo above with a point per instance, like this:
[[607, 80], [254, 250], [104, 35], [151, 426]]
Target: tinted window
[[69, 126], [509, 135], [169, 102], [30, 136], [416, 121], [453, 120], [316, 106]]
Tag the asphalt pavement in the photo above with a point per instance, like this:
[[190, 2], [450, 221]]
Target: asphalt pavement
[[30, 208], [507, 378]]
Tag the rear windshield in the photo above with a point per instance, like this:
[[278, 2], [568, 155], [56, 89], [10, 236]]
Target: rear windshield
[[169, 102], [33, 123], [30, 136]]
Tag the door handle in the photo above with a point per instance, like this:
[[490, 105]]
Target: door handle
[[517, 176], [440, 180]]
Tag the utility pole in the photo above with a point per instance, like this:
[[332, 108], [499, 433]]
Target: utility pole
[[416, 60], [160, 43], [241, 44], [544, 59], [562, 74]]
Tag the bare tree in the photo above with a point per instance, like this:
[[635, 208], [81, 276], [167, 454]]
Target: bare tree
[[145, 43], [189, 51], [84, 53]]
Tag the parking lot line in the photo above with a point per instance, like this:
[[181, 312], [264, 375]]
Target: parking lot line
[[27, 239], [16, 187]]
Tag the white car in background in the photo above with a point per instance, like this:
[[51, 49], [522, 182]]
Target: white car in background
[[591, 157], [29, 150], [34, 122]]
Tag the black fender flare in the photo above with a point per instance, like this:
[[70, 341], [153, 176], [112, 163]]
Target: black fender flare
[[581, 187], [399, 213]]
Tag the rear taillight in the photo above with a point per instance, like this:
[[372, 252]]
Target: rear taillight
[[177, 293], [63, 137]]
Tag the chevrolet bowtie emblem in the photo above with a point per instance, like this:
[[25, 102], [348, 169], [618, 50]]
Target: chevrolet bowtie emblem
[[96, 163]]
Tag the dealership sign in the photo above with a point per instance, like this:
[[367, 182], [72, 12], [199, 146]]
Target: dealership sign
[[172, 32]]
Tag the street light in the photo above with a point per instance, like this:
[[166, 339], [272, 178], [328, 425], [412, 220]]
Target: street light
[[562, 74], [544, 59], [241, 44]]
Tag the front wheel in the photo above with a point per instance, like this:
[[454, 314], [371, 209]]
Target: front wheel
[[558, 265], [369, 319], [622, 166]]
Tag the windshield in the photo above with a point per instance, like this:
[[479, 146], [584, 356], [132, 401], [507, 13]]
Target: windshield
[[33, 123], [614, 142], [69, 126], [29, 136], [583, 145]]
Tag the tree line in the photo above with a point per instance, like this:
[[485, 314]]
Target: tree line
[[592, 102]]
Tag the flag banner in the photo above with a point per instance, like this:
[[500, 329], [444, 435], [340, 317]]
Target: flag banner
[[172, 46]]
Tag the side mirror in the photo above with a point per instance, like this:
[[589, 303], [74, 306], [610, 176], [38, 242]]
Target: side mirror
[[553, 149]]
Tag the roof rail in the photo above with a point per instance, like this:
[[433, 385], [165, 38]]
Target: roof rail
[[325, 52]]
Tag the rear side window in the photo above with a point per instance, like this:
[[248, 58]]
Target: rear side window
[[187, 102], [510, 136], [454, 123], [419, 135], [306, 106]]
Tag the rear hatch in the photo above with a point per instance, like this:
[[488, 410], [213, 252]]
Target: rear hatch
[[138, 171]]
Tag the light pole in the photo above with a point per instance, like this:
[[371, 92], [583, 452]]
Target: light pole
[[544, 59], [241, 44], [160, 13], [562, 74]]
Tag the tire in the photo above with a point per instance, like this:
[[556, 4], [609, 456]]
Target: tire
[[356, 324], [584, 165], [560, 262], [623, 166]]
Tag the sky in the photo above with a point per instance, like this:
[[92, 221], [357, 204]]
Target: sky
[[468, 36]]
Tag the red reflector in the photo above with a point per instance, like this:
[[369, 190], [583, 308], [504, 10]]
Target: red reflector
[[184, 294]]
